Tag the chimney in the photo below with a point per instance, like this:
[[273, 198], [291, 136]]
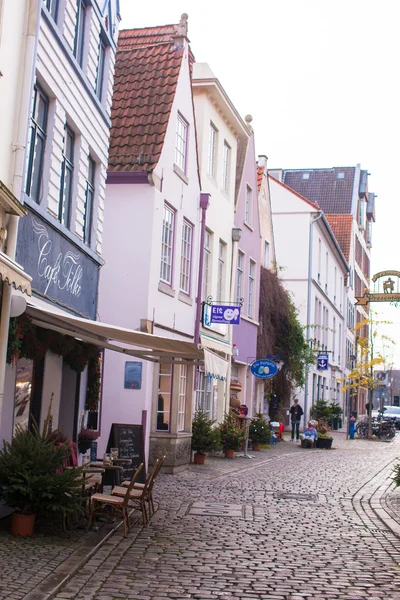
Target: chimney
[[262, 161], [181, 31]]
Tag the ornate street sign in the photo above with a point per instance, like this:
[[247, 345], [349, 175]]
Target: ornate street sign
[[385, 289]]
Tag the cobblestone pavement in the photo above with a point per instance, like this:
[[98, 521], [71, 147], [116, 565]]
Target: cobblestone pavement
[[289, 524]]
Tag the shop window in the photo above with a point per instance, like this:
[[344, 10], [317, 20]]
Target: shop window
[[164, 398]]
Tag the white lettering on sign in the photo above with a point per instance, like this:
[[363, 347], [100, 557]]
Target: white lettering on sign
[[62, 270]]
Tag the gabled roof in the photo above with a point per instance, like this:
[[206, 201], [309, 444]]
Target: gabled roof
[[313, 204], [341, 226], [260, 174], [147, 69], [331, 188]]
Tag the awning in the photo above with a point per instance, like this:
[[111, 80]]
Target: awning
[[217, 345], [14, 275], [215, 366], [135, 343]]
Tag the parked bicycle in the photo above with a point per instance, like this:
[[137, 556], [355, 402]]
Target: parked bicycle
[[384, 430]]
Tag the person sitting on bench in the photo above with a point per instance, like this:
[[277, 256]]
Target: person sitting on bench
[[309, 436]]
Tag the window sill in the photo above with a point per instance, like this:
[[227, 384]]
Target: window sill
[[166, 289], [185, 298], [249, 320], [248, 225], [181, 174]]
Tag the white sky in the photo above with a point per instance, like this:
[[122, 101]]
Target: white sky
[[321, 80]]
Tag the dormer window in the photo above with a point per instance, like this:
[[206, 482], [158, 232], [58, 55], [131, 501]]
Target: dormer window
[[305, 176], [340, 175]]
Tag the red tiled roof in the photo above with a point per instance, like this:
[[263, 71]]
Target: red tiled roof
[[260, 174], [313, 204], [147, 69], [341, 226]]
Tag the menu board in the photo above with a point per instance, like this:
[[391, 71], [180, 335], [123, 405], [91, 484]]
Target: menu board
[[133, 375], [129, 441]]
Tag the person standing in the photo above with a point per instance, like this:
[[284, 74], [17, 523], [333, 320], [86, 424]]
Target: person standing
[[296, 413]]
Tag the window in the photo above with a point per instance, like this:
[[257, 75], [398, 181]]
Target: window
[[212, 148], [164, 397], [221, 271], [89, 201], [181, 143], [248, 207], [36, 144], [206, 264], [334, 338], [305, 176], [204, 394], [182, 396], [239, 277], [67, 169], [80, 31], [326, 271], [186, 257], [100, 70], [52, 7], [266, 255], [252, 273], [226, 159], [167, 244], [340, 175], [319, 260]]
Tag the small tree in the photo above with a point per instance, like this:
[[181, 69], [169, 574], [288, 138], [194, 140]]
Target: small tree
[[321, 410], [232, 434], [205, 437], [259, 430]]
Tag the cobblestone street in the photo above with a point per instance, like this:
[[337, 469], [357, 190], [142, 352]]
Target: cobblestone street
[[289, 524]]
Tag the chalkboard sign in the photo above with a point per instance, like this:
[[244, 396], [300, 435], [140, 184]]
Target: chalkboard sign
[[133, 375], [129, 441], [93, 452]]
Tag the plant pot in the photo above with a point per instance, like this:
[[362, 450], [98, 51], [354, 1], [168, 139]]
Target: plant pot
[[199, 458], [229, 453], [22, 524], [324, 443], [335, 423], [84, 446], [256, 447]]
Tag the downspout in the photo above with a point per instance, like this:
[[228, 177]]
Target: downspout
[[310, 257], [32, 35], [204, 204], [236, 234]]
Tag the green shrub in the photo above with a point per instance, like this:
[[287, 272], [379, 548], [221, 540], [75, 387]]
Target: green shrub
[[233, 436], [205, 437], [259, 430]]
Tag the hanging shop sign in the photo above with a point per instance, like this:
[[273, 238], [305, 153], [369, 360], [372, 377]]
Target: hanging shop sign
[[264, 369], [386, 288], [60, 270], [322, 361], [221, 313]]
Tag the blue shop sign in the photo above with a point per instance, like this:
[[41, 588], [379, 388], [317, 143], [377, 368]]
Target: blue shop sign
[[229, 315], [59, 269], [322, 361], [263, 369]]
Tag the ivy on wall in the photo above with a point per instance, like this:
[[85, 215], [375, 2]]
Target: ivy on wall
[[93, 383]]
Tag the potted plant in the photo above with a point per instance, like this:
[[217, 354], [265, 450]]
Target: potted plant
[[232, 434], [324, 439], [85, 439], [259, 431], [205, 437], [336, 412], [34, 481]]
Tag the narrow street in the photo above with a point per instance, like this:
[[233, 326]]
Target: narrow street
[[289, 524]]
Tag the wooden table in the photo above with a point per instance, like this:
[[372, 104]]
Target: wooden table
[[112, 472]]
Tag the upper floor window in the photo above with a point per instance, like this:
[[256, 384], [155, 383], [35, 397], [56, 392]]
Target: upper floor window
[[100, 70], [221, 271], [248, 207], [252, 274], [80, 31], [181, 143], [167, 244], [226, 159], [212, 151], [89, 201], [206, 264], [239, 277], [186, 257], [67, 171], [36, 144], [266, 255], [52, 7]]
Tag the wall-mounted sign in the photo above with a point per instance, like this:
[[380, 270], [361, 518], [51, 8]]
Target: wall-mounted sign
[[59, 269], [263, 368], [221, 313], [133, 375], [322, 361]]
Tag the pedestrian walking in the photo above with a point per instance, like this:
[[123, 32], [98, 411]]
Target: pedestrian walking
[[296, 413]]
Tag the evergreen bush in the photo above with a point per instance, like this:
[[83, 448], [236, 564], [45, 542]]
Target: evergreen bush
[[233, 436], [259, 430], [205, 437]]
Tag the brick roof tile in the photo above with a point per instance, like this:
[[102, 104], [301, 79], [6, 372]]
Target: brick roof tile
[[341, 226], [260, 174]]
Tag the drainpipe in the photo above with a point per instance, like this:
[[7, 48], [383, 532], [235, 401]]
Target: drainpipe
[[204, 204], [28, 76], [236, 234], [310, 257]]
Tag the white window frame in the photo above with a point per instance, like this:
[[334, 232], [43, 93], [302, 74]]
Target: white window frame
[[221, 271], [167, 245], [182, 397], [251, 289], [248, 205], [266, 255], [181, 138], [212, 150], [239, 276], [167, 372], [186, 257], [204, 394], [207, 261], [226, 160]]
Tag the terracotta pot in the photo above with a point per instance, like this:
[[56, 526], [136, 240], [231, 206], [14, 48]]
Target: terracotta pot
[[229, 453], [199, 458], [256, 447], [22, 524]]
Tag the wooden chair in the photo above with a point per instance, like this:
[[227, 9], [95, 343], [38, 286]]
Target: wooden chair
[[117, 504], [139, 486]]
